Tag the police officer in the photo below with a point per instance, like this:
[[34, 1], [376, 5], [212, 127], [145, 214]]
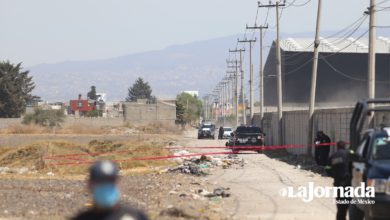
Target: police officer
[[102, 183], [220, 133], [339, 167], [322, 149]]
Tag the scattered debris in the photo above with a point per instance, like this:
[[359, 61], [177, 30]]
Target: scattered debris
[[20, 171], [199, 166], [176, 212]]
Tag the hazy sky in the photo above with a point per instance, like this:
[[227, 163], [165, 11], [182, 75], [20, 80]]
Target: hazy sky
[[47, 31]]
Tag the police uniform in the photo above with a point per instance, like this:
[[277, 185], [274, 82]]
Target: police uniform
[[339, 167], [322, 151], [102, 180], [118, 213]]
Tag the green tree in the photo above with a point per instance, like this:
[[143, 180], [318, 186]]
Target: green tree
[[139, 90], [15, 90], [92, 94], [48, 118], [188, 108]]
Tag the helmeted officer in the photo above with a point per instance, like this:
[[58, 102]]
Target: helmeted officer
[[339, 167], [322, 148], [102, 183]]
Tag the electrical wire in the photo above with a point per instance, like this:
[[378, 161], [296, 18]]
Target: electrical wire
[[292, 4], [381, 2], [348, 35], [329, 55], [349, 75]]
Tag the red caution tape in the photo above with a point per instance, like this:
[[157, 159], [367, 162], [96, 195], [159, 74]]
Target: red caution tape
[[77, 159]]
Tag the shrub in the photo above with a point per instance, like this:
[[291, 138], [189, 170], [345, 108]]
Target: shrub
[[44, 117]]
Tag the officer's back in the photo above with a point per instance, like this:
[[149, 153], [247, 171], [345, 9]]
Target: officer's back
[[340, 167]]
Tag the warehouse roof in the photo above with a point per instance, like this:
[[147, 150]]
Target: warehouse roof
[[329, 45]]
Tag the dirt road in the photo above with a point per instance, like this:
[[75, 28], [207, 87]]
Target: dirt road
[[255, 191], [255, 187]]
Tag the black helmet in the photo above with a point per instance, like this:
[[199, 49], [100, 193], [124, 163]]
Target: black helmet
[[103, 171]]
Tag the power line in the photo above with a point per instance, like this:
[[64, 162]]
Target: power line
[[329, 55], [348, 75], [298, 5], [381, 2]]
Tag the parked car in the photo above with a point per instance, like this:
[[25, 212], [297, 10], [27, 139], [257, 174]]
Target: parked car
[[371, 160], [227, 131], [206, 131], [251, 136]]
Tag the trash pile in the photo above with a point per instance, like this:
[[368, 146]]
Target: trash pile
[[200, 165]]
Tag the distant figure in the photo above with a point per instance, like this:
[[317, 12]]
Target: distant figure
[[102, 184], [322, 148], [339, 167], [220, 133]]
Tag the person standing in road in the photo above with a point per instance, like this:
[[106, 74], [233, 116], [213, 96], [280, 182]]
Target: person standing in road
[[339, 168], [220, 133], [322, 148], [103, 180]]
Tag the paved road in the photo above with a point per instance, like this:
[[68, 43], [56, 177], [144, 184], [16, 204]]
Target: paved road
[[256, 187]]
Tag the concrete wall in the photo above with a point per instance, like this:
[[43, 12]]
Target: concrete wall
[[5, 122], [96, 122], [69, 121], [141, 113], [334, 122]]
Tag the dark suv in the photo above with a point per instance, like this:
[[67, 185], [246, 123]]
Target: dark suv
[[250, 136], [206, 131], [371, 159]]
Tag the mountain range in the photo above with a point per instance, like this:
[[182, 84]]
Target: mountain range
[[193, 66]]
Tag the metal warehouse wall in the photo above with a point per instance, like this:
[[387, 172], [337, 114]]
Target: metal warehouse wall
[[341, 77]]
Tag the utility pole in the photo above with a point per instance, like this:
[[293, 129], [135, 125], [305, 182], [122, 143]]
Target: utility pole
[[242, 85], [223, 101], [251, 97], [235, 86], [261, 83], [371, 50], [314, 80], [206, 107], [278, 69]]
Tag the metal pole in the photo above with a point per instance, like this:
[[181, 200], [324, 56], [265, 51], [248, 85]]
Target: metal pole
[[314, 80], [279, 76]]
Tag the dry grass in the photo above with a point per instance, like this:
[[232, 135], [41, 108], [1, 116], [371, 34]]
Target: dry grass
[[82, 129], [79, 128], [25, 129], [36, 157], [159, 128]]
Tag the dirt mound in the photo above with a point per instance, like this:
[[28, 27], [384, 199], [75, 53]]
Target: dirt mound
[[32, 156], [103, 146]]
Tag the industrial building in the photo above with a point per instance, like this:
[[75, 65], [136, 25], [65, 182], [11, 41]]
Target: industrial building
[[342, 70]]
